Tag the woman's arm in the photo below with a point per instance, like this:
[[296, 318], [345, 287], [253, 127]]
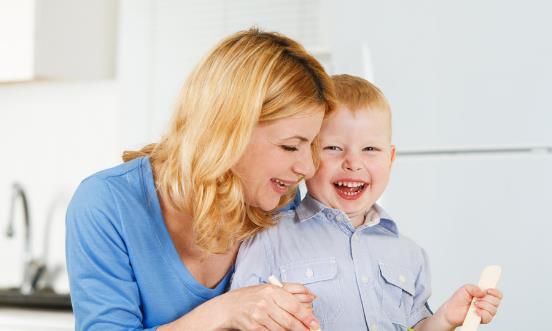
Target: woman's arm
[[104, 291], [262, 307], [106, 295]]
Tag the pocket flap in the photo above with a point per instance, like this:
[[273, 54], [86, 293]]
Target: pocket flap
[[309, 271], [399, 277]]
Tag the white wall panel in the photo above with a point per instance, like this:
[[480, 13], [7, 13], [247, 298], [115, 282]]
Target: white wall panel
[[469, 211], [184, 31], [458, 74]]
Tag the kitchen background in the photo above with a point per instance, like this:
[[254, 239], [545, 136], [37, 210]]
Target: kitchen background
[[469, 83]]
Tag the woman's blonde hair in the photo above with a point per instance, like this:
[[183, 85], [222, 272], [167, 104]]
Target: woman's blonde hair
[[250, 77]]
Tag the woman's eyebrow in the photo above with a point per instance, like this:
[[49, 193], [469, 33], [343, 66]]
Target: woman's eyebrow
[[301, 138]]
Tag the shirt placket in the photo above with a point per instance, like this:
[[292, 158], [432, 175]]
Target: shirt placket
[[366, 278]]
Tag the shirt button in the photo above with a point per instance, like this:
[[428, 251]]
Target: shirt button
[[356, 237], [365, 279], [339, 218], [309, 273], [373, 327], [402, 279]]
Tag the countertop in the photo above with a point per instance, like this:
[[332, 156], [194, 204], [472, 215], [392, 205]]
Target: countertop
[[12, 319]]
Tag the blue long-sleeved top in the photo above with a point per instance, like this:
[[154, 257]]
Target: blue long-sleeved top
[[124, 271]]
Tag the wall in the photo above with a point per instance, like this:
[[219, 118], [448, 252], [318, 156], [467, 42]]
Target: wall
[[468, 84], [52, 136]]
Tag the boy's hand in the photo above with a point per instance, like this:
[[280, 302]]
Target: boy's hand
[[455, 309]]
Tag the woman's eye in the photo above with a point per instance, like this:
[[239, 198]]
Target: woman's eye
[[332, 148], [289, 148]]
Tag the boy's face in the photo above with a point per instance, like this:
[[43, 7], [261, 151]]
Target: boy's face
[[356, 159]]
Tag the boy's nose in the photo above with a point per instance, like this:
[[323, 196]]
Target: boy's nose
[[352, 164]]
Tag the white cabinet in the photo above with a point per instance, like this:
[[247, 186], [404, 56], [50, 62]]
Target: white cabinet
[[57, 39]]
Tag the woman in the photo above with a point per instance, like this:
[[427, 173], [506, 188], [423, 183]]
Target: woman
[[151, 243]]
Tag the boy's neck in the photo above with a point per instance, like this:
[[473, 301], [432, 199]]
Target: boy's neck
[[359, 218]]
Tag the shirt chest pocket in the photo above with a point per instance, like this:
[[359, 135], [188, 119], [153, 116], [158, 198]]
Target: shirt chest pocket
[[322, 278], [398, 285]]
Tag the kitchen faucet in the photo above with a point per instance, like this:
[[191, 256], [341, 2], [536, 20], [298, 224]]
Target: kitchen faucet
[[32, 269]]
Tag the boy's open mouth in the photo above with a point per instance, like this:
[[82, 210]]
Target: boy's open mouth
[[350, 190]]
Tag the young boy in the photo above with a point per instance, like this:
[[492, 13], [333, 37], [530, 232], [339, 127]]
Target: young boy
[[343, 246]]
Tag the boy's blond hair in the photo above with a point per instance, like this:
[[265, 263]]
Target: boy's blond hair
[[357, 93], [249, 78]]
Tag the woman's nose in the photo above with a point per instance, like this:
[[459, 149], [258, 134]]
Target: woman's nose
[[304, 167]]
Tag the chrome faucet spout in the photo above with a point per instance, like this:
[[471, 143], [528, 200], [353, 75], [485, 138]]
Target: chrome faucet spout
[[18, 193]]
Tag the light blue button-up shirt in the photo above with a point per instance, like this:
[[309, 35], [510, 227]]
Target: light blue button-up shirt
[[368, 278]]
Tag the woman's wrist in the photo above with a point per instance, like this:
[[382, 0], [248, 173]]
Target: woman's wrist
[[209, 316]]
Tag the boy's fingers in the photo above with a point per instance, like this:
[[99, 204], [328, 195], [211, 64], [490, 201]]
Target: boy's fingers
[[494, 292], [490, 299], [487, 306], [474, 291], [486, 317]]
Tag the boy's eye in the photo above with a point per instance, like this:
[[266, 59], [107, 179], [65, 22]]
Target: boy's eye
[[369, 149], [289, 148], [332, 148]]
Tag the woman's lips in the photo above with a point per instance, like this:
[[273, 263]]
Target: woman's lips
[[280, 186]]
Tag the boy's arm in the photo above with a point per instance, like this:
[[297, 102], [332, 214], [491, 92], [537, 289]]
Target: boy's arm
[[420, 307], [452, 313], [254, 263]]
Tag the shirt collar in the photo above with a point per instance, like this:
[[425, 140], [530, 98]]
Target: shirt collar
[[310, 207]]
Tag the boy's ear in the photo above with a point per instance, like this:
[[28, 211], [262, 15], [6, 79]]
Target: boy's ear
[[393, 153]]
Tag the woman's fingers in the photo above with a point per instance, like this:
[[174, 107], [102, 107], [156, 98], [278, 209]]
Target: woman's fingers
[[303, 315], [295, 288], [304, 298], [267, 307], [286, 321]]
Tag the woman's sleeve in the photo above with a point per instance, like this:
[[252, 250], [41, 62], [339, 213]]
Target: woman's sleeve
[[104, 292]]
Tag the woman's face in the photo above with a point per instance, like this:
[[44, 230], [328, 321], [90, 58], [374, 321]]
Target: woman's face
[[277, 157]]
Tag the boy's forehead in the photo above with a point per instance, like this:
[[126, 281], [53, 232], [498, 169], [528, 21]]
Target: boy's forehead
[[343, 119]]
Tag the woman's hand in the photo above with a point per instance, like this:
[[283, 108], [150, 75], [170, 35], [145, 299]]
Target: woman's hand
[[268, 307], [261, 307]]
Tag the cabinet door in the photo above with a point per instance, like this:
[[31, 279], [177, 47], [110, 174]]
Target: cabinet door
[[474, 210], [16, 40], [462, 74]]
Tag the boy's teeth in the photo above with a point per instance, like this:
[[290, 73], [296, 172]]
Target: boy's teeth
[[350, 184]]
